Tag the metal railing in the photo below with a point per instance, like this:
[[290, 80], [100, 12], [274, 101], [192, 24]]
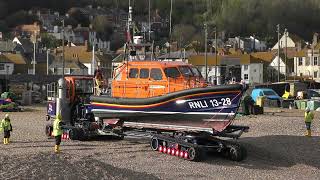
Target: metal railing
[[51, 91]]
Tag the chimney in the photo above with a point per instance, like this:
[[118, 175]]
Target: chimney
[[86, 43], [315, 39], [299, 46]]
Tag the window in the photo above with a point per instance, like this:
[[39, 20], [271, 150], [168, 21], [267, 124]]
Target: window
[[1, 67], [185, 71], [67, 71], [246, 76], [315, 61], [300, 61], [172, 72], [156, 74], [245, 67], [144, 73], [196, 72], [133, 73], [315, 74]]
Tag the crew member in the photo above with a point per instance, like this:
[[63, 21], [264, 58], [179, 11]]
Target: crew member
[[98, 80], [308, 117], [57, 132], [5, 125]]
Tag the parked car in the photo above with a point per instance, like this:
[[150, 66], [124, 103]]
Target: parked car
[[270, 95], [313, 94]]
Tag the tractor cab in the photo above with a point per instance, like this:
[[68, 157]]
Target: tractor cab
[[68, 94]]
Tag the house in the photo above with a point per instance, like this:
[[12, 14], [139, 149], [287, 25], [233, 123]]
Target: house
[[289, 41], [249, 44], [176, 56], [27, 30], [80, 57], [227, 67], [12, 63]]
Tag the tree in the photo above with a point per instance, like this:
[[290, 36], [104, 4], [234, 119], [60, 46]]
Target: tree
[[49, 41], [103, 27], [183, 33]]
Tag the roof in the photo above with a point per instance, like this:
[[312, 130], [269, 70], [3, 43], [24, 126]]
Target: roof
[[4, 59], [15, 58], [68, 64], [264, 56], [301, 53], [29, 27], [176, 55], [79, 53]]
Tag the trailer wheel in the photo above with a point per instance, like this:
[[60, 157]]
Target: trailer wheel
[[154, 143], [194, 154], [48, 130], [236, 153]]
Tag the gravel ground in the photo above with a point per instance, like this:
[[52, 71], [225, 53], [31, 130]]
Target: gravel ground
[[277, 149]]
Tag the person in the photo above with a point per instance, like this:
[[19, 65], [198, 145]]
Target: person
[[308, 117], [98, 81], [6, 126], [57, 132]]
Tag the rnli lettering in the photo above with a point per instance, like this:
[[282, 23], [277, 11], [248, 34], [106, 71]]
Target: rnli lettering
[[209, 103]]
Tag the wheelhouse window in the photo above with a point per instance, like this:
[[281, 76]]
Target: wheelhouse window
[[144, 73], [300, 61], [172, 72], [156, 74], [133, 73], [196, 72], [185, 71], [84, 86]]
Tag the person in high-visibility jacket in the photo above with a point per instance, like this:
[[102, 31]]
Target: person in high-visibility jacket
[[57, 132], [6, 127], [308, 117]]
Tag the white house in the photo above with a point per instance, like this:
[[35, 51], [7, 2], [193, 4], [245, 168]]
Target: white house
[[306, 63], [291, 41], [252, 73]]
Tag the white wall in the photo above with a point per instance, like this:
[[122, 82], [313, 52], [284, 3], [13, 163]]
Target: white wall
[[308, 69], [274, 65], [282, 41], [8, 68], [254, 72]]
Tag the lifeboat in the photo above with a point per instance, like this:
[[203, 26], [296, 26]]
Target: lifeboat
[[170, 93]]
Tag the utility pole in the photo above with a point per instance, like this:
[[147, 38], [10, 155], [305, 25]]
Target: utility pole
[[48, 51], [278, 31], [149, 21], [34, 57], [170, 27], [62, 48], [205, 47], [285, 55], [216, 54]]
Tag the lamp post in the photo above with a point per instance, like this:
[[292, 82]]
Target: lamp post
[[216, 54], [48, 51], [7, 83], [278, 31], [62, 48], [205, 54], [286, 49]]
